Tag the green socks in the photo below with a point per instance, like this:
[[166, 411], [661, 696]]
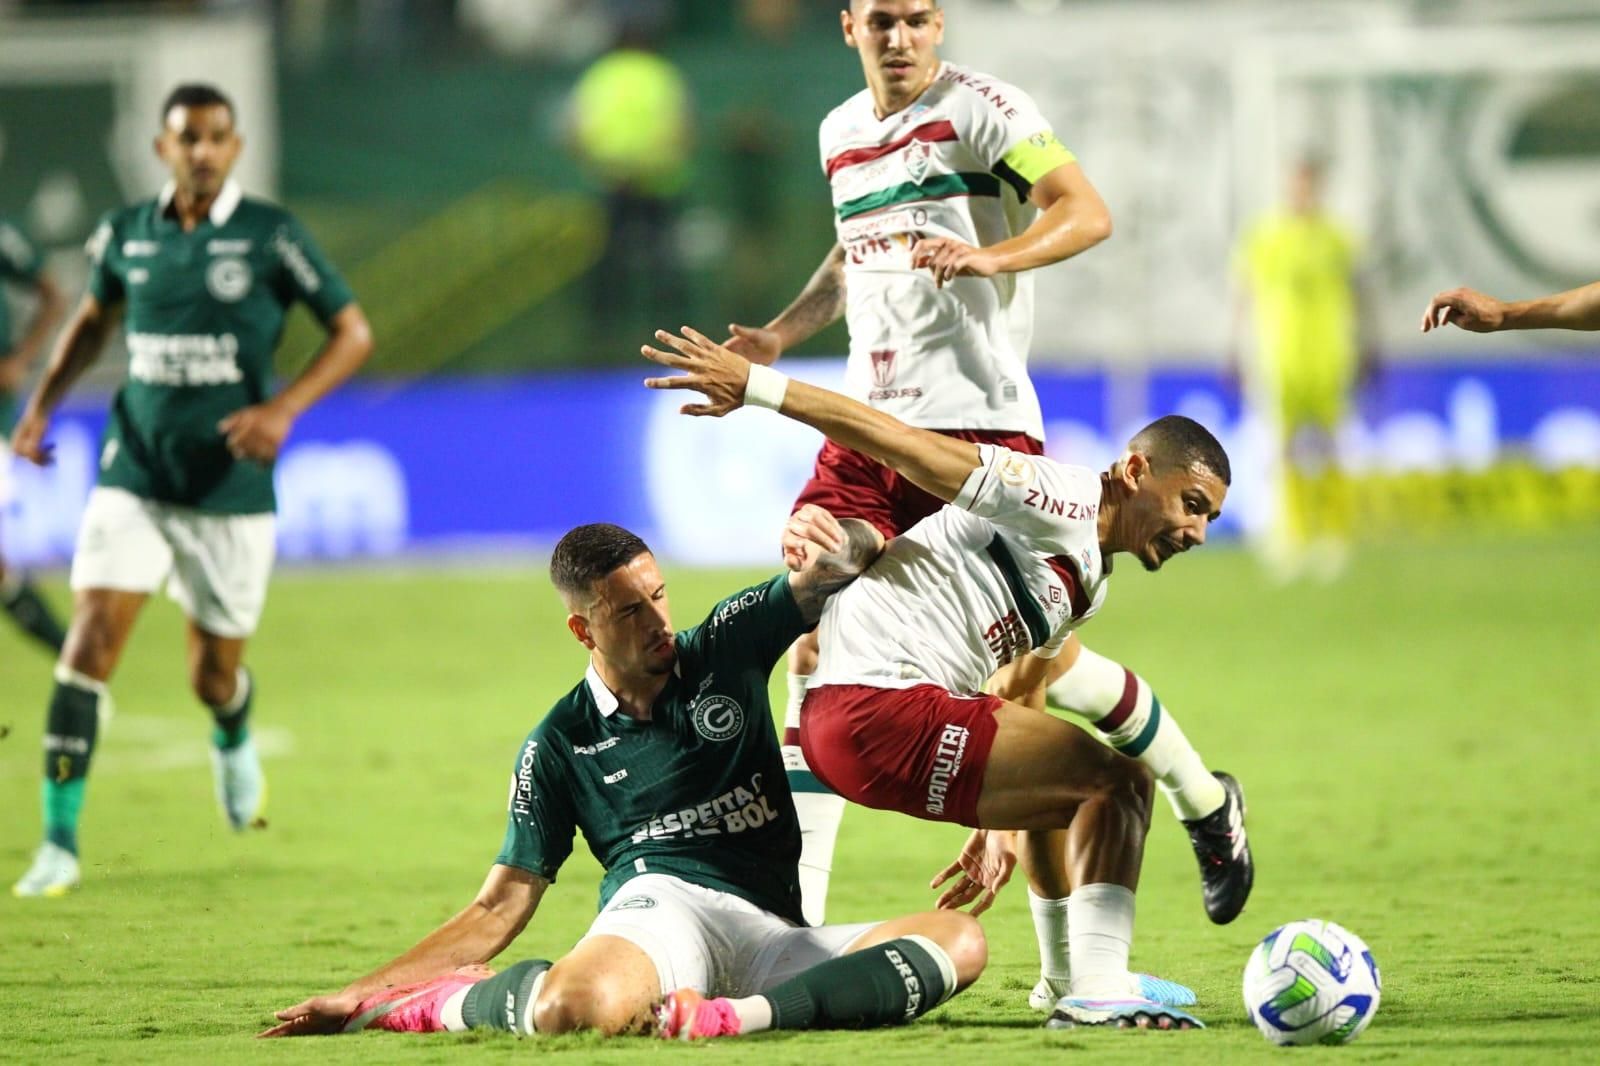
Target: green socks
[[886, 984], [233, 719], [70, 727], [505, 1001], [27, 608]]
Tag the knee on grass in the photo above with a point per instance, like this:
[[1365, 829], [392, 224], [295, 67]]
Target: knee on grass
[[570, 1004]]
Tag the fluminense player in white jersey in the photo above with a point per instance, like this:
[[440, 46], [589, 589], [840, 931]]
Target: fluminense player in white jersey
[[948, 187], [896, 717]]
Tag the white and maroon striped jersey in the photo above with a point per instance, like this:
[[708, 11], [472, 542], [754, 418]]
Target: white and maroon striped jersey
[[958, 162], [1012, 566]]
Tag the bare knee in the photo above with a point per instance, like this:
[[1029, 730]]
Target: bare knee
[[1134, 788], [967, 947], [569, 1004]]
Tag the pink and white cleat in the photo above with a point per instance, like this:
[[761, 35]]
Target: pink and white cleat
[[413, 1008], [687, 1015]]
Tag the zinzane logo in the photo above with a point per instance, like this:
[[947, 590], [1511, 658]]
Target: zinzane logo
[[718, 718], [1043, 501]]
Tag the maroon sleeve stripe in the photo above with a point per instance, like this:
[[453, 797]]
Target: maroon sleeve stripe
[[1069, 577]]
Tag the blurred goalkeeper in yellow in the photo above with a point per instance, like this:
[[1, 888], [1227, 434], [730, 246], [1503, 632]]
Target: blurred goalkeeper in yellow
[[1297, 271]]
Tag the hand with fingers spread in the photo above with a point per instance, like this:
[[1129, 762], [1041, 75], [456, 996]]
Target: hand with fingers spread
[[257, 432], [708, 368], [810, 531], [757, 345], [982, 870], [949, 258], [317, 1016], [1465, 309]]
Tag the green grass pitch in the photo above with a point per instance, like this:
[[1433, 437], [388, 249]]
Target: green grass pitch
[[1418, 743]]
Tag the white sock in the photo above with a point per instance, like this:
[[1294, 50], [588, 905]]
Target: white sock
[[819, 812], [1102, 936], [1050, 927], [1122, 706], [755, 1013], [450, 1013]]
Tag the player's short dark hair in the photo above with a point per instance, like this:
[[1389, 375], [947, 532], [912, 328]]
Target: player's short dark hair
[[1174, 440], [588, 553], [197, 94]]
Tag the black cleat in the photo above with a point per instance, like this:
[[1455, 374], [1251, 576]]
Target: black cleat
[[1226, 869]]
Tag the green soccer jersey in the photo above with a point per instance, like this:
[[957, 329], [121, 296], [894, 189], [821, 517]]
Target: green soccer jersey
[[19, 262], [698, 791], [204, 313]]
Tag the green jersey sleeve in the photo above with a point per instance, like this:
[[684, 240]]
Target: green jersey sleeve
[[104, 284], [308, 274], [19, 259], [756, 625], [540, 819]]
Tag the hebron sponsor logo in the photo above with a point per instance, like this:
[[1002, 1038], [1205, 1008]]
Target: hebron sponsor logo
[[734, 811], [739, 603], [1043, 501], [522, 783], [946, 765]]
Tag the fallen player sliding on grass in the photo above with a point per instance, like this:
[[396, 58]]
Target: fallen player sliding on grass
[[665, 757]]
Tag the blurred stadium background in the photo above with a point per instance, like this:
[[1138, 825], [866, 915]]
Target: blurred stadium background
[[434, 148]]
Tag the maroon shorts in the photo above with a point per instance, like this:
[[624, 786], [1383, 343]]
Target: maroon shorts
[[919, 750], [852, 485]]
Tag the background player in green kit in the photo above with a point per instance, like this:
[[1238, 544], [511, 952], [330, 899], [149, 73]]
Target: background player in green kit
[[665, 757], [21, 266], [202, 278]]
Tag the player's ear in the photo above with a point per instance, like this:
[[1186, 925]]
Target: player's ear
[[938, 26], [847, 25], [579, 625]]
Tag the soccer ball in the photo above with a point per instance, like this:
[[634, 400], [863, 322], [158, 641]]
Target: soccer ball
[[1311, 982]]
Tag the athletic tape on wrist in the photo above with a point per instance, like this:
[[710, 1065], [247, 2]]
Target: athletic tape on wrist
[[765, 387]]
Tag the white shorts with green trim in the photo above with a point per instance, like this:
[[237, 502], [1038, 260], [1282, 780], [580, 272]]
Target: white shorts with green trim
[[215, 566], [714, 942]]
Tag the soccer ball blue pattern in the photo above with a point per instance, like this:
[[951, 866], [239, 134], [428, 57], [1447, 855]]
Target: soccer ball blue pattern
[[1311, 982]]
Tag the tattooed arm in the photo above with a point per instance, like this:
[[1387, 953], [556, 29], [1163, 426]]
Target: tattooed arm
[[819, 304], [825, 554]]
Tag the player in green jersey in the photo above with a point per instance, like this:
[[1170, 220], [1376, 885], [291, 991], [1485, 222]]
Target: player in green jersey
[[22, 267], [665, 757], [201, 279]]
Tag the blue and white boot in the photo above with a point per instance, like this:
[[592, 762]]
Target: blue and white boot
[[1048, 992], [241, 785], [1070, 1012]]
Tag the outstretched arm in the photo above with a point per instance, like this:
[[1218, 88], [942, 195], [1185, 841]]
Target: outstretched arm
[[485, 928], [14, 366], [937, 464], [1476, 312], [825, 554], [819, 304]]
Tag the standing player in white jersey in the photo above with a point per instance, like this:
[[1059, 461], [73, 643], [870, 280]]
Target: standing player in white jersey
[[948, 186], [896, 718]]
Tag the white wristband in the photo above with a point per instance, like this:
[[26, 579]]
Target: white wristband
[[765, 387]]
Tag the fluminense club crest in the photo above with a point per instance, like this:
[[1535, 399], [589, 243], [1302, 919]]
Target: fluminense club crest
[[917, 155]]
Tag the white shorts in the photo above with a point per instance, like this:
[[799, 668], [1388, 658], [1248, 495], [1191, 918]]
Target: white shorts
[[714, 942], [216, 566], [5, 472]]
